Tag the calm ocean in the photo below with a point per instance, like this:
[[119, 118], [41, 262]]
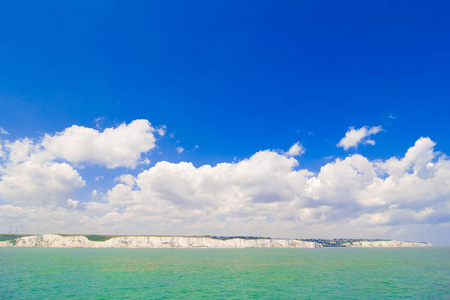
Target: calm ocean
[[50, 273]]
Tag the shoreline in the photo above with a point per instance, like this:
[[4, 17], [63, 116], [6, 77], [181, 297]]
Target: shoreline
[[153, 241]]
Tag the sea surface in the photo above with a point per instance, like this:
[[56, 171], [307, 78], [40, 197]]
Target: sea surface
[[329, 273]]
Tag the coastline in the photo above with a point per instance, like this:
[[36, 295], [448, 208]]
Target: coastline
[[81, 241]]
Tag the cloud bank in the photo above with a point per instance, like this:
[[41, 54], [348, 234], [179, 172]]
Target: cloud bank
[[266, 194], [32, 172]]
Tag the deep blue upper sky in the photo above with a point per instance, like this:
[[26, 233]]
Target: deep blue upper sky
[[233, 77]]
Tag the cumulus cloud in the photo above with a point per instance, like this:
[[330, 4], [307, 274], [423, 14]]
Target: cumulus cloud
[[31, 183], [296, 149], [257, 179], [114, 147], [340, 181], [265, 194], [161, 130], [3, 131], [417, 159], [32, 171], [179, 149], [354, 137], [20, 150], [126, 178]]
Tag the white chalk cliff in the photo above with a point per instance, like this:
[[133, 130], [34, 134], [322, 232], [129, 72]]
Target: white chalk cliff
[[57, 241], [368, 244], [79, 241]]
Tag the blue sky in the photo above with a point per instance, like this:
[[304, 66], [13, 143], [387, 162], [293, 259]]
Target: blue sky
[[225, 80]]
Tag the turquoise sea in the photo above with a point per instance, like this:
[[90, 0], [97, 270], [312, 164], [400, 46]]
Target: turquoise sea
[[339, 273]]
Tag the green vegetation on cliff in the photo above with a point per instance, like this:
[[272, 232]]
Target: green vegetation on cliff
[[339, 242], [10, 237]]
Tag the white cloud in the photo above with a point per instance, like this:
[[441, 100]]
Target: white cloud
[[128, 179], [114, 147], [255, 179], [98, 122], [3, 131], [179, 149], [296, 149], [121, 146], [20, 150], [31, 172], [265, 194], [340, 181], [391, 116], [168, 193], [354, 137], [31, 183], [161, 130], [144, 161], [417, 159]]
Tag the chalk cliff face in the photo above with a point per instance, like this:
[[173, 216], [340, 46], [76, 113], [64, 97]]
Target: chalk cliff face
[[57, 241], [368, 244]]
